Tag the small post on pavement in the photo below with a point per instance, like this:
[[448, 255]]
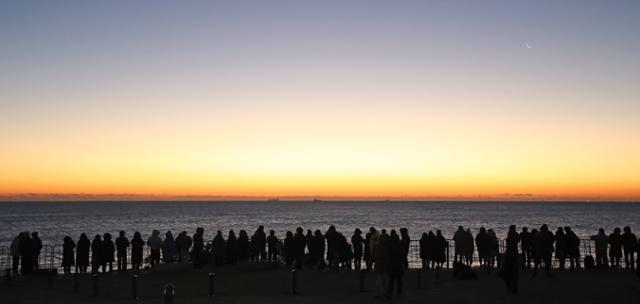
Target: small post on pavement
[[169, 293], [94, 277], [212, 277], [134, 286], [293, 281]]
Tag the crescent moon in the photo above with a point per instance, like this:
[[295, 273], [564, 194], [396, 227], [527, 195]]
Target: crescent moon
[[527, 45]]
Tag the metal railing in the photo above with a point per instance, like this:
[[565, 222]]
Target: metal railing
[[51, 255]]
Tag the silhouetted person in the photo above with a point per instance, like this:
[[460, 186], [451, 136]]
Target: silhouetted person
[[137, 248], [510, 265], [68, 255], [526, 248], [381, 259], [494, 248], [122, 243], [319, 248], [602, 241], [358, 248], [330, 236], [573, 248], [96, 253], [543, 247], [300, 243], [289, 249], [244, 250], [232, 249], [615, 248], [405, 243], [219, 249], [459, 244], [310, 257], [155, 244], [396, 263], [169, 248], [197, 254], [482, 243], [183, 243], [368, 260], [425, 249], [260, 240], [15, 253], [441, 244], [629, 241], [108, 253], [36, 244], [82, 254], [272, 246], [561, 248]]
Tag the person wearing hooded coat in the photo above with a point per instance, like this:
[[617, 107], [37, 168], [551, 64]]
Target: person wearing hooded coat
[[68, 246], [509, 270], [396, 263], [108, 253], [219, 249], [137, 248], [169, 248], [155, 244], [82, 254], [96, 253], [232, 248]]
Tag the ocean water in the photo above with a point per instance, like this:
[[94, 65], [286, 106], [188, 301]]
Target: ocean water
[[53, 221]]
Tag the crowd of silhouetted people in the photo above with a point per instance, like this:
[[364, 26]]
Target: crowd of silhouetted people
[[384, 252]]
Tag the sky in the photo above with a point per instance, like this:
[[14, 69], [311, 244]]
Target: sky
[[398, 99]]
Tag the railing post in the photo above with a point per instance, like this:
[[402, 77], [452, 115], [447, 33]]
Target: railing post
[[94, 277], [134, 286], [169, 293], [293, 281], [212, 277], [362, 280], [448, 255]]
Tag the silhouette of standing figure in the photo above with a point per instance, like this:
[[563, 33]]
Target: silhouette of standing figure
[[629, 241], [122, 243], [96, 253], [380, 250], [82, 254], [525, 247], [441, 243], [318, 248], [68, 245], [300, 243], [198, 248], [232, 249], [272, 246], [219, 249], [459, 243], [169, 248], [260, 240], [573, 248], [15, 253], [405, 243], [289, 249], [137, 245], [602, 241], [561, 248], [510, 265], [368, 261], [357, 242], [244, 251], [36, 244], [155, 244], [543, 244], [108, 250], [396, 263], [615, 248], [183, 243], [425, 249]]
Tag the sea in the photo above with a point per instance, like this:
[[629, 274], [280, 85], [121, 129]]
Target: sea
[[55, 220]]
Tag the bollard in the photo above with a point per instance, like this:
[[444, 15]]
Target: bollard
[[419, 279], [7, 278], [293, 281], [50, 281], [169, 293], [95, 284], [362, 280], [134, 286], [76, 283], [212, 277], [437, 275]]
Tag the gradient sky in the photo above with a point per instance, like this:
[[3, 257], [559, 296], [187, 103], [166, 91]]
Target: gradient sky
[[321, 98]]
